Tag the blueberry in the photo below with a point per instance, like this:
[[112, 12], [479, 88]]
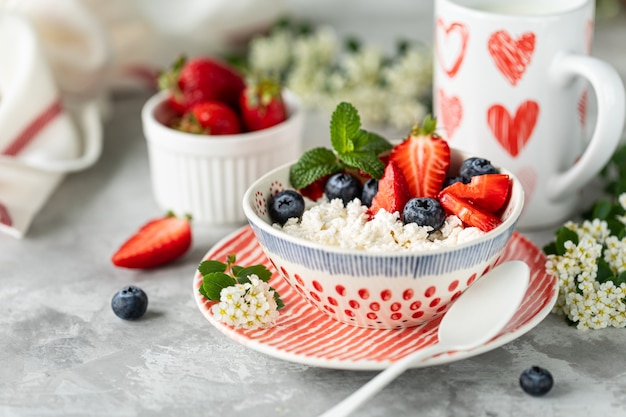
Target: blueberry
[[476, 166], [451, 180], [285, 205], [129, 303], [424, 212], [344, 186], [370, 188], [536, 381]]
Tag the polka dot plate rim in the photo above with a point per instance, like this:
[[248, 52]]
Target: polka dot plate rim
[[304, 335]]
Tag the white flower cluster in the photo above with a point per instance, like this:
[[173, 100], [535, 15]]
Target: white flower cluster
[[248, 306], [588, 303], [386, 91]]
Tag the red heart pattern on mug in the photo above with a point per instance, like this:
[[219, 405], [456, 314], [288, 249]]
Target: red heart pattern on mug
[[450, 45], [582, 108], [510, 55], [450, 112], [513, 132]]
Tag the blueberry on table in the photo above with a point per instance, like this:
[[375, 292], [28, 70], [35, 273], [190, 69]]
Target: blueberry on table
[[536, 381], [129, 303], [344, 186], [476, 166], [285, 205], [424, 212], [370, 188]]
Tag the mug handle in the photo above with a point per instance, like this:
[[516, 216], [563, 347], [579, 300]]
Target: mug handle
[[90, 126], [607, 133]]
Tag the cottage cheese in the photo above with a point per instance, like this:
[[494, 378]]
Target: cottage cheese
[[330, 223]]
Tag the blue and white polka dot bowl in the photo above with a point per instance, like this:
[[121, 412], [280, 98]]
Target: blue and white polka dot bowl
[[376, 290]]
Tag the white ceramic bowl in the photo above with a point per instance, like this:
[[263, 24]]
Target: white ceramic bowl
[[206, 176], [376, 290]]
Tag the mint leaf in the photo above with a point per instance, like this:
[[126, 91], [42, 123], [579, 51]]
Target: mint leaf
[[312, 165], [365, 161], [207, 267], [213, 283], [370, 142], [345, 124]]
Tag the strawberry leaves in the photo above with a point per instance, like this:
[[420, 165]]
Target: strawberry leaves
[[353, 147]]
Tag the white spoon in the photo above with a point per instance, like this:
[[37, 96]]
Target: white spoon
[[475, 318]]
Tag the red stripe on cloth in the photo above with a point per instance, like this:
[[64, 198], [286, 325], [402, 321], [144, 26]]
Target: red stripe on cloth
[[33, 128], [5, 217]]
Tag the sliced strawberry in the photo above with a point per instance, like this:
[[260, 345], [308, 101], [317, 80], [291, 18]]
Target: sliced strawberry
[[157, 242], [469, 214], [424, 159], [393, 191], [489, 191]]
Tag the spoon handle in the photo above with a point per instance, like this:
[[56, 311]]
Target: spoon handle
[[351, 403]]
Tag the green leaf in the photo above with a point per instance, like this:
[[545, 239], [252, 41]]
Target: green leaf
[[370, 142], [214, 282], [550, 249], [261, 271], [279, 302], [243, 280], [616, 227], [235, 269], [366, 161], [345, 124], [621, 279], [429, 125], [312, 165], [564, 235], [203, 292], [602, 210], [207, 267], [605, 273]]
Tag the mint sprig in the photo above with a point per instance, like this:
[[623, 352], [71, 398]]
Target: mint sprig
[[353, 147], [219, 275]]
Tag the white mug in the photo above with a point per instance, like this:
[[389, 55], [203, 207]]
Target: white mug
[[512, 83]]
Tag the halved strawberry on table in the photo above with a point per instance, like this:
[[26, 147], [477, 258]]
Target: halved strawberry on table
[[159, 241], [192, 81], [424, 158], [261, 105]]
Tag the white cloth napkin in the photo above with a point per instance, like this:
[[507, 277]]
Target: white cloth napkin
[[44, 133], [60, 58]]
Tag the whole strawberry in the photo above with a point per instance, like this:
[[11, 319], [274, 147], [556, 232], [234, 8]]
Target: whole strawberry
[[157, 242], [261, 104], [209, 118], [201, 79]]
